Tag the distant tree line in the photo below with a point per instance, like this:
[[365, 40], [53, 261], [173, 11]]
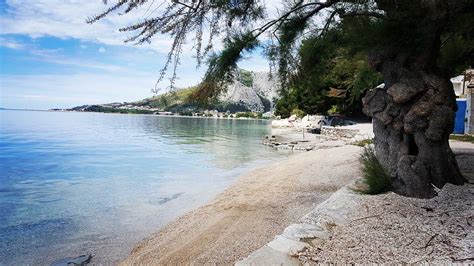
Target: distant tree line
[[105, 109]]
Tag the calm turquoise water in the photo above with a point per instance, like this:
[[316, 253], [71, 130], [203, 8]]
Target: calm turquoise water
[[77, 183]]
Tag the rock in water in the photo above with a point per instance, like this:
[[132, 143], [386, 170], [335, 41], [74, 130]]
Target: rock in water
[[81, 260]]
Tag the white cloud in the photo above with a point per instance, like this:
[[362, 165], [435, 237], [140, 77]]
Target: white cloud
[[273, 7], [50, 91], [67, 19], [56, 56], [10, 43], [256, 63]]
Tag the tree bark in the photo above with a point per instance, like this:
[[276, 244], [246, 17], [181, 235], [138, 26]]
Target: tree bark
[[413, 116]]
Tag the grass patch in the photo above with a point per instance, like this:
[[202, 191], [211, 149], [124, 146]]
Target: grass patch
[[363, 143], [375, 176], [466, 138]]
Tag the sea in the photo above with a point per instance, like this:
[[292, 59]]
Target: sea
[[76, 183]]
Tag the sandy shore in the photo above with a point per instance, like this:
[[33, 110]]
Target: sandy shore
[[264, 202], [252, 211]]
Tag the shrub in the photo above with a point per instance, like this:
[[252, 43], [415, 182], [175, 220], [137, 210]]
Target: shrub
[[363, 143], [186, 113], [375, 176], [335, 109], [299, 113], [246, 114]]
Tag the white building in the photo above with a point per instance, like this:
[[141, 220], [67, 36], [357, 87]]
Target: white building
[[469, 124], [463, 86], [459, 86]]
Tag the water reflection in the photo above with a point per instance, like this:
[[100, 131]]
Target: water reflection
[[75, 183]]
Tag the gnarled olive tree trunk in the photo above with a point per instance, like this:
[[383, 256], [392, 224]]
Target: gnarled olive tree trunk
[[413, 116]]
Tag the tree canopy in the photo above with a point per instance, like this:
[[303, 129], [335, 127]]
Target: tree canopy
[[332, 75], [415, 45], [245, 25]]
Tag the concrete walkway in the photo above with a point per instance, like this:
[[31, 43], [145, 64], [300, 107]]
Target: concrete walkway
[[316, 225], [353, 228]]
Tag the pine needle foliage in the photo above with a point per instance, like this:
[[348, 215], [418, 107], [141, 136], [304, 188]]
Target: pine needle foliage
[[375, 176], [245, 25], [201, 21]]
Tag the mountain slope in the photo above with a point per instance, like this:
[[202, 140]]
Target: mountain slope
[[250, 91], [254, 90]]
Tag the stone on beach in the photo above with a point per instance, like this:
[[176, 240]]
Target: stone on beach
[[81, 260], [296, 139]]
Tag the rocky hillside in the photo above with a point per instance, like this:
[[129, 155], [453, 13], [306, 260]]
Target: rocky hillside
[[254, 90], [250, 91]]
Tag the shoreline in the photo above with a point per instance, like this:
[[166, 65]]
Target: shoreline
[[181, 116], [251, 211], [355, 228], [133, 198], [263, 202]]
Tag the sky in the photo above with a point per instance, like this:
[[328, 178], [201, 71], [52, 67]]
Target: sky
[[50, 58]]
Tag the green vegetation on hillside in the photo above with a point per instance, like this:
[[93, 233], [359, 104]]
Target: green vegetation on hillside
[[169, 99], [298, 113], [246, 77], [185, 102], [104, 109], [249, 115]]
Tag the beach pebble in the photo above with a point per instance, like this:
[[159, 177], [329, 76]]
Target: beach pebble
[[81, 260]]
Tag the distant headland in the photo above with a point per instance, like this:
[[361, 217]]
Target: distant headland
[[251, 94]]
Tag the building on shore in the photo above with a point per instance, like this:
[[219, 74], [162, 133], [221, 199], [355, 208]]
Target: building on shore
[[469, 79], [463, 86]]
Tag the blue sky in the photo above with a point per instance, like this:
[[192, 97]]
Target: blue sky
[[50, 58]]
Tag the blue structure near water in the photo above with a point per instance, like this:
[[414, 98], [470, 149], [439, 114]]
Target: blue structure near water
[[460, 116]]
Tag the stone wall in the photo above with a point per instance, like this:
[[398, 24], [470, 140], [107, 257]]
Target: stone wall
[[339, 133]]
